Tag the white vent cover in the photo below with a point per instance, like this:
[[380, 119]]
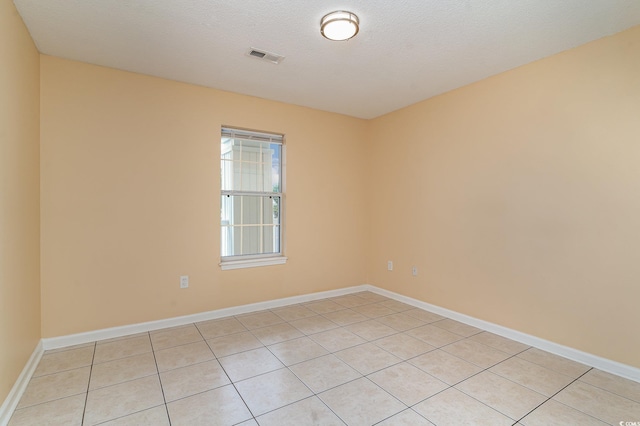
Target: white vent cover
[[265, 56]]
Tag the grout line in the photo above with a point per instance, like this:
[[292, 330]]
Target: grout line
[[362, 376], [611, 391], [549, 398], [231, 382], [313, 393], [121, 358], [119, 339], [473, 375], [164, 398], [400, 412], [86, 398]]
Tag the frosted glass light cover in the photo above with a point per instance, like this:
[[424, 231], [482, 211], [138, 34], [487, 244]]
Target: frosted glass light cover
[[339, 25]]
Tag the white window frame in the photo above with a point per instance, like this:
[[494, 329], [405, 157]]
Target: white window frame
[[267, 259]]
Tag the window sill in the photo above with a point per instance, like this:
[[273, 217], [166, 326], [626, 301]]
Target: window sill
[[252, 263]]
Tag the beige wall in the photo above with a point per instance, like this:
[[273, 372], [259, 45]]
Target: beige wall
[[130, 198], [19, 197], [518, 198]]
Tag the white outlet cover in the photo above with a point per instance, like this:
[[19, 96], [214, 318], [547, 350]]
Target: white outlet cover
[[184, 281], [390, 265], [414, 271]]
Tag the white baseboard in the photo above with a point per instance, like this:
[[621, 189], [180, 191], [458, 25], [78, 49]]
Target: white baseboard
[[125, 330], [613, 367], [11, 401], [13, 398]]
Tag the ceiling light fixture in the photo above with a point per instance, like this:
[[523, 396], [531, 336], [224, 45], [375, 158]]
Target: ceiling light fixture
[[339, 25]]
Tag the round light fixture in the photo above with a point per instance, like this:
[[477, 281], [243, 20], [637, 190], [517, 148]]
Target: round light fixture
[[339, 25]]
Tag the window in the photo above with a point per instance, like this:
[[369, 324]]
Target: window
[[251, 198]]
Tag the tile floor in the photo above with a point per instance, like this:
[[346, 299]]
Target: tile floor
[[360, 359]]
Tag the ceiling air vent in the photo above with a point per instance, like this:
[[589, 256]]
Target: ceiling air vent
[[265, 56]]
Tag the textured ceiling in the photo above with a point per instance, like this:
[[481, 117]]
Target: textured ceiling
[[406, 51]]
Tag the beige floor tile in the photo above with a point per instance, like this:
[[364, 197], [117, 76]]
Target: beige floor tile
[[614, 384], [272, 390], [532, 376], [374, 310], [70, 348], [324, 373], [422, 315], [220, 327], [121, 370], [176, 336], [297, 350], [314, 325], [407, 383], [310, 411], [66, 360], [371, 296], [501, 343], [501, 394], [476, 353], [250, 422], [187, 381], [553, 413], [401, 321], [55, 386], [397, 306], [218, 407], [125, 337], [156, 416], [345, 317], [404, 346], [247, 364], [452, 407], [337, 339], [324, 306], [599, 403], [361, 403], [276, 333], [182, 356], [234, 343], [406, 418], [295, 312], [554, 362], [367, 358], [350, 301], [444, 366], [457, 327], [259, 319], [371, 330], [434, 336], [122, 348], [63, 412], [123, 399]]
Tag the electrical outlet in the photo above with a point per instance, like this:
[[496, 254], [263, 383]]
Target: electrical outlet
[[184, 281], [390, 265], [414, 271]]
